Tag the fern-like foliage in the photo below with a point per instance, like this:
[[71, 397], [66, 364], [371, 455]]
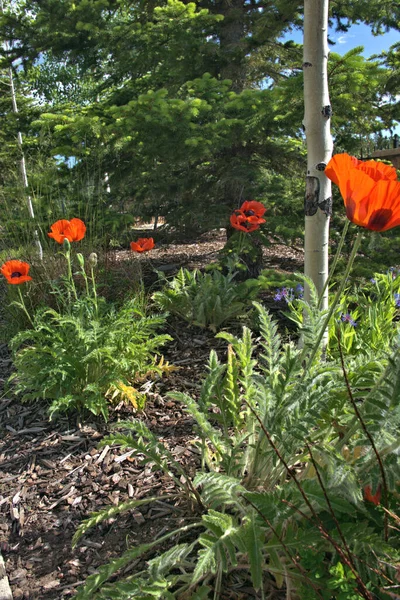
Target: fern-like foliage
[[286, 459], [95, 582], [146, 445], [108, 513], [220, 490], [71, 360], [206, 299], [218, 544]]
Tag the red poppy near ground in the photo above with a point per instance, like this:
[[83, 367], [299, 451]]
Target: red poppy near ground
[[73, 230], [370, 497], [253, 208], [370, 191], [239, 220], [16, 271], [142, 245]]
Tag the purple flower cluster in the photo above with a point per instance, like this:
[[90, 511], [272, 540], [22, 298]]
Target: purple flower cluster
[[397, 300], [347, 318], [289, 294]]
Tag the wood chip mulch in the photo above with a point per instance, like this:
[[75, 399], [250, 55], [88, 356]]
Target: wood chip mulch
[[53, 474]]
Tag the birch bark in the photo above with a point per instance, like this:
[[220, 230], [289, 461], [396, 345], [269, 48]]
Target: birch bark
[[317, 113]]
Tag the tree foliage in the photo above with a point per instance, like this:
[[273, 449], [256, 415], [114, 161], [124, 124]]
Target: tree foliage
[[179, 106]]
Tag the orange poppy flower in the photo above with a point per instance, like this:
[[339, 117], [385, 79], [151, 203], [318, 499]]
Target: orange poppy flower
[[16, 271], [142, 245], [374, 498], [239, 220], [370, 191], [253, 208], [73, 230]]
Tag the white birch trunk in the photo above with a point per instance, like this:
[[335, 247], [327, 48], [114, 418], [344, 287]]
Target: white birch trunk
[[317, 112], [107, 182], [24, 175]]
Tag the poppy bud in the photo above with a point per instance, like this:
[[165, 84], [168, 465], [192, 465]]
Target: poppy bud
[[92, 259], [80, 258]]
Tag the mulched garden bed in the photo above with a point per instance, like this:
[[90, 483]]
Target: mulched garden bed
[[53, 474]]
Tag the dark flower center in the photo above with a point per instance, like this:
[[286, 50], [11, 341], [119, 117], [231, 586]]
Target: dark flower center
[[379, 219], [249, 213], [15, 274]]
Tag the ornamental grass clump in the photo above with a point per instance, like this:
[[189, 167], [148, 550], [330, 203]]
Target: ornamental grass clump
[[87, 350]]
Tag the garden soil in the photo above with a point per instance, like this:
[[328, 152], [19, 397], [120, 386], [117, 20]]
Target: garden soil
[[54, 474]]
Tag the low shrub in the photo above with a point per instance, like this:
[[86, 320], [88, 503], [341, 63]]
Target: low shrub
[[86, 348], [298, 482], [207, 300]]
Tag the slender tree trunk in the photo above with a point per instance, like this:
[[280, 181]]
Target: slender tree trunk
[[231, 40], [22, 161], [317, 113], [233, 67]]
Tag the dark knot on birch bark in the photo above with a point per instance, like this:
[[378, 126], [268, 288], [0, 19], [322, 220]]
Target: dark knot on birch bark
[[327, 111]]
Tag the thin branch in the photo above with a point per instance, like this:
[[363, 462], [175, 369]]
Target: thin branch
[[378, 572], [370, 438], [332, 512], [298, 566], [319, 524]]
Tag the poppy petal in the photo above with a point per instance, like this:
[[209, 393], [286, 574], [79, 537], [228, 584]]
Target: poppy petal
[[370, 191], [385, 196], [77, 230], [16, 271], [240, 221], [59, 230], [377, 170], [237, 221], [253, 208], [142, 245], [73, 230], [358, 188], [370, 497], [339, 166]]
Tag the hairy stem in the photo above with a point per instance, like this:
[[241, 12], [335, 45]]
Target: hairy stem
[[370, 438], [335, 302], [334, 263]]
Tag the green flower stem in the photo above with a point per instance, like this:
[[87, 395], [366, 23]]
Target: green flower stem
[[67, 255], [86, 284], [94, 290], [242, 242], [85, 277], [336, 300], [335, 260], [23, 306]]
